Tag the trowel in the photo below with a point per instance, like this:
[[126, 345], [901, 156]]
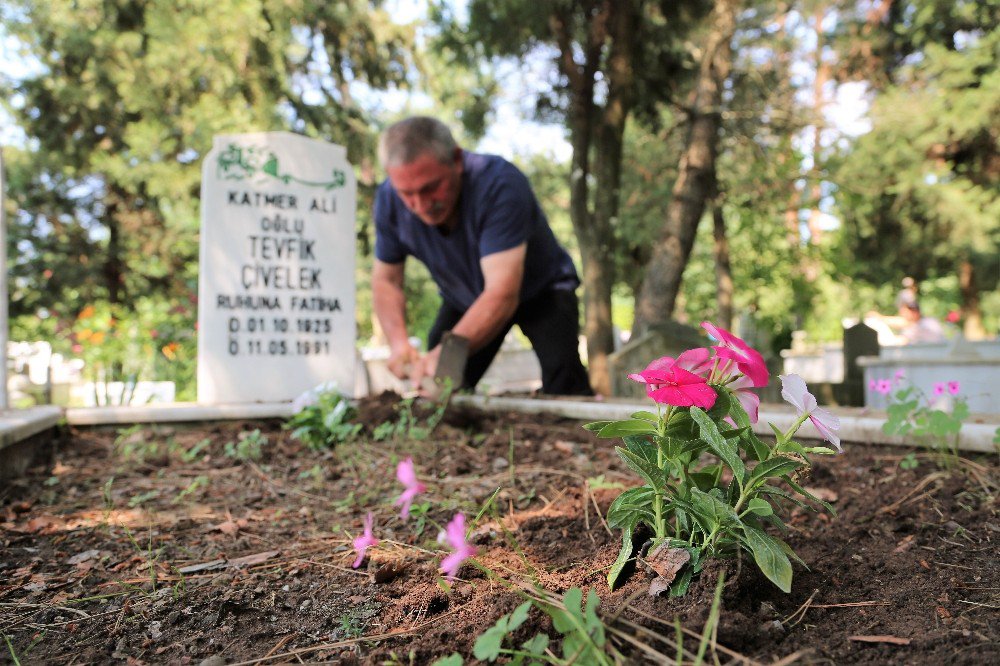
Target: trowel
[[450, 368]]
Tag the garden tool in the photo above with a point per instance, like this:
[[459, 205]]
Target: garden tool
[[450, 368]]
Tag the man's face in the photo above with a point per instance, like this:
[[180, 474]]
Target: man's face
[[429, 188]]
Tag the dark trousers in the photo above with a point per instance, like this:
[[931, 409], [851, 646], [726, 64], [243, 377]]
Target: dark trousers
[[550, 322]]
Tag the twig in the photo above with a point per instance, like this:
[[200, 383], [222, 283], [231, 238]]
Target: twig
[[801, 610], [976, 603], [599, 514]]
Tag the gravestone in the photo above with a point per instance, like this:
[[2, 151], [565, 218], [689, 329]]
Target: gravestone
[[668, 339], [276, 291], [859, 340]]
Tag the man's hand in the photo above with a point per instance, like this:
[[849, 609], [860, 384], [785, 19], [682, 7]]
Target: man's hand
[[405, 362]]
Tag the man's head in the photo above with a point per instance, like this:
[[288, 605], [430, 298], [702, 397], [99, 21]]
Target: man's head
[[424, 165]]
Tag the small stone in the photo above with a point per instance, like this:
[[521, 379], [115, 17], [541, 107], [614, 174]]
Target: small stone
[[154, 630], [214, 660], [210, 620], [500, 463]]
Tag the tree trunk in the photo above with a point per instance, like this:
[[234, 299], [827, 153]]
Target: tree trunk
[[973, 328], [596, 134], [723, 269], [113, 269], [696, 176]]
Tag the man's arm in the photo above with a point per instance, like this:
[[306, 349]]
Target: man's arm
[[389, 303], [486, 317]]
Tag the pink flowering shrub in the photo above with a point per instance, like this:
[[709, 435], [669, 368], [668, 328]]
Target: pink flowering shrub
[[711, 485]]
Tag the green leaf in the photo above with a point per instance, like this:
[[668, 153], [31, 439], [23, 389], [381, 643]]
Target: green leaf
[[623, 428], [453, 659], [487, 646], [776, 466], [591, 621], [770, 557], [537, 645], [644, 467], [710, 511], [646, 416], [563, 621], [632, 506], [802, 491], [760, 507], [518, 617], [726, 450], [596, 425], [624, 555]]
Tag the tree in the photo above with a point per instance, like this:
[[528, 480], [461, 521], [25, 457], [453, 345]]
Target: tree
[[611, 59], [123, 103], [920, 194], [696, 178]]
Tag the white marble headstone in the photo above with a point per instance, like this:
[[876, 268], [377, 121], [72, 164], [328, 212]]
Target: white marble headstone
[[276, 287]]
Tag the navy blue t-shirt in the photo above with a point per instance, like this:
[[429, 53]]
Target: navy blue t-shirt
[[497, 211]]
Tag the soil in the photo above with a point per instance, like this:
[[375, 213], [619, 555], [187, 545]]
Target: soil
[[159, 544]]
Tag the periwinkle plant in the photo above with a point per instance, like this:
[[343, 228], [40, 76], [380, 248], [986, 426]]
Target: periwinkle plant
[[710, 483]]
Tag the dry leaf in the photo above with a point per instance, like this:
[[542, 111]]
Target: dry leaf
[[666, 561], [904, 545], [250, 560]]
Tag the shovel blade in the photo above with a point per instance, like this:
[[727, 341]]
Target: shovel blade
[[451, 362]]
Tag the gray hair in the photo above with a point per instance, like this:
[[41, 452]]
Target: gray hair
[[405, 141]]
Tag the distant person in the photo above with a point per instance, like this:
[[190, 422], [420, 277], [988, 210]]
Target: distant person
[[919, 329], [474, 221], [908, 294]]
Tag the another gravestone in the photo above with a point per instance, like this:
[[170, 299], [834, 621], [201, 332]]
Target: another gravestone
[[668, 339], [276, 289], [859, 340]]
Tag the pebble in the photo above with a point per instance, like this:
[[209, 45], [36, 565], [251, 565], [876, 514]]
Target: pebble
[[214, 660]]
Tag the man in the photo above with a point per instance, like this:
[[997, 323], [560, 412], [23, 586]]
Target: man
[[473, 220], [919, 328]]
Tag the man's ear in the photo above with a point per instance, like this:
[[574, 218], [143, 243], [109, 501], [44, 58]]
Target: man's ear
[[457, 156]]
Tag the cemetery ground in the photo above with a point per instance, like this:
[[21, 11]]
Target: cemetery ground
[[231, 543]]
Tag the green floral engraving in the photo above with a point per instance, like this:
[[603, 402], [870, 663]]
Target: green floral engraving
[[238, 162]]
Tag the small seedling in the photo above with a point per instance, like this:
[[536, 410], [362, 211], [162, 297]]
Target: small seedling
[[324, 423], [249, 447], [192, 454]]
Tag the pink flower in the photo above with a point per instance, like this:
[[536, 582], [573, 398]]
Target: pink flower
[[408, 477], [365, 541], [461, 549], [793, 389], [898, 376], [748, 360], [872, 386], [954, 387], [670, 385], [698, 361], [749, 400], [938, 388], [884, 386]]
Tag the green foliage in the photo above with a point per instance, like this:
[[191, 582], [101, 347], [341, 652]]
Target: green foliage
[[119, 103], [249, 446], [581, 630], [936, 424], [326, 422], [680, 455], [920, 194], [408, 425]]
